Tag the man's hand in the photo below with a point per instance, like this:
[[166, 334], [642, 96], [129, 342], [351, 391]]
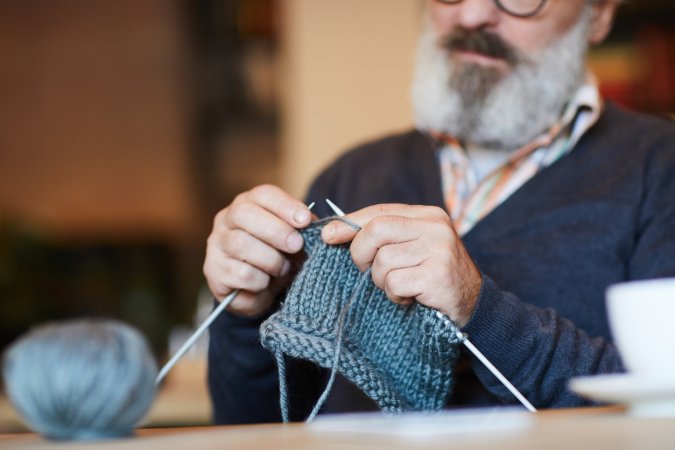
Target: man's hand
[[415, 255], [249, 245]]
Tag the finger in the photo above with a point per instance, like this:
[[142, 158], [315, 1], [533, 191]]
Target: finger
[[249, 304], [337, 232], [244, 247], [264, 225], [404, 285], [394, 256], [281, 204], [380, 232], [227, 274]]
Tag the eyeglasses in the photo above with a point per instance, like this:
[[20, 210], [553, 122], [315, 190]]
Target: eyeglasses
[[517, 8]]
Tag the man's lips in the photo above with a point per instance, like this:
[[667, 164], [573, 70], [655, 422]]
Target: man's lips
[[480, 46], [479, 58]]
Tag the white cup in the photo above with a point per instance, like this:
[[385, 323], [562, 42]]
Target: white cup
[[642, 321]]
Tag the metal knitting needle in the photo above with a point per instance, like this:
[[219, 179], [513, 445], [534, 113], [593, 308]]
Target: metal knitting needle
[[336, 210], [199, 331], [486, 362], [196, 335], [465, 340]]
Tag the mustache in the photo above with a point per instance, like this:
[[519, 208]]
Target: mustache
[[481, 42]]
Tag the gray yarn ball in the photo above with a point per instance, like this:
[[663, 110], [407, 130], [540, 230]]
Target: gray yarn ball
[[80, 380]]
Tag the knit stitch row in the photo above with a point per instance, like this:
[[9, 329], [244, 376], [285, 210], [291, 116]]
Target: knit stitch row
[[402, 357]]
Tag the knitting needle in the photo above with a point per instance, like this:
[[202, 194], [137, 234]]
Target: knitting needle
[[465, 340], [486, 362], [336, 210], [199, 331], [196, 335]]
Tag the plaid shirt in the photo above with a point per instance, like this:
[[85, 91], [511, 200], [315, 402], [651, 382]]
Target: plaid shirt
[[469, 199]]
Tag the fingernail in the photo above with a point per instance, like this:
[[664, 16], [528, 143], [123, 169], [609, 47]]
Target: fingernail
[[301, 217], [328, 232], [294, 242], [285, 268]]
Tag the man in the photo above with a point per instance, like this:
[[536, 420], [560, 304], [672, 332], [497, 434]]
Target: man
[[516, 202]]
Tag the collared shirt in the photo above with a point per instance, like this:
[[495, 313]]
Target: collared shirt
[[476, 181]]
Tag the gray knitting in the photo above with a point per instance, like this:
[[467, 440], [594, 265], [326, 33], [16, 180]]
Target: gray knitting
[[402, 357]]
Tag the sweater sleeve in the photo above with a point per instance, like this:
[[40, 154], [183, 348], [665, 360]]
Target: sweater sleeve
[[536, 349], [242, 377], [654, 253]]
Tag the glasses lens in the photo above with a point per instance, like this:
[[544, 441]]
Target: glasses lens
[[522, 7]]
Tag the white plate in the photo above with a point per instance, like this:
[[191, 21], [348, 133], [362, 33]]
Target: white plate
[[645, 396]]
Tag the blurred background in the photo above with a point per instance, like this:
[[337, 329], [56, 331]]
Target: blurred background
[[125, 126]]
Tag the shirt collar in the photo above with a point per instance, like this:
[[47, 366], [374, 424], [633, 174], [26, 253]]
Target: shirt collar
[[580, 114]]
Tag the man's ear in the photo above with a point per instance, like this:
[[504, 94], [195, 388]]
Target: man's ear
[[602, 20]]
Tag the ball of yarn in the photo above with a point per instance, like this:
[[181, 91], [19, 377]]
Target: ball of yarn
[[80, 380]]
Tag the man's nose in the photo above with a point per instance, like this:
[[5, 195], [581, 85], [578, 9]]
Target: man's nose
[[475, 14]]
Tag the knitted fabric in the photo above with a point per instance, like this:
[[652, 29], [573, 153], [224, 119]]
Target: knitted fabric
[[401, 357]]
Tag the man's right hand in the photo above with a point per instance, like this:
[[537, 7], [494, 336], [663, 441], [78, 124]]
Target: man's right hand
[[249, 245]]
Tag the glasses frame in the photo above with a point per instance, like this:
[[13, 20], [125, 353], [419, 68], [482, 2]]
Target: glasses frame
[[501, 7]]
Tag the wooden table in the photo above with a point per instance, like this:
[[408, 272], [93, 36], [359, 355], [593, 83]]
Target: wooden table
[[563, 429]]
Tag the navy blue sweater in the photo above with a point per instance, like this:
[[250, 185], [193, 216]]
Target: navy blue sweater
[[602, 214]]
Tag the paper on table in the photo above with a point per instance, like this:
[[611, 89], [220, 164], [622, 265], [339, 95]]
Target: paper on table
[[427, 426]]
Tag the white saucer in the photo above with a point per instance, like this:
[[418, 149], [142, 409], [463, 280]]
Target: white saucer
[[645, 396]]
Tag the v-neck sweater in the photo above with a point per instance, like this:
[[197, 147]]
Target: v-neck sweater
[[602, 214]]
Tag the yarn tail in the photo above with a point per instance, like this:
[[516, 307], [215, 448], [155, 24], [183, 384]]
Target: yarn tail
[[343, 321], [283, 389]]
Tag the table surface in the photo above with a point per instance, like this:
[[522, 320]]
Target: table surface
[[562, 429]]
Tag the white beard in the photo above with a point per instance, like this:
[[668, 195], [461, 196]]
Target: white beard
[[521, 105]]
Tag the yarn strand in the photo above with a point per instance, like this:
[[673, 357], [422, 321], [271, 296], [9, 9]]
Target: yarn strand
[[343, 321], [283, 389]]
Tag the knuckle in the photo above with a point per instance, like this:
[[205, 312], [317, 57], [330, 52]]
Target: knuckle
[[378, 276], [437, 212], [235, 242], [221, 289], [251, 279], [246, 275], [210, 241], [377, 226], [382, 209], [209, 268], [263, 191], [220, 218], [218, 287], [242, 197], [393, 283], [213, 241], [258, 282], [206, 270], [357, 256], [234, 210], [238, 214], [382, 261]]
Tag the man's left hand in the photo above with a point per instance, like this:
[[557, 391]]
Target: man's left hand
[[415, 255]]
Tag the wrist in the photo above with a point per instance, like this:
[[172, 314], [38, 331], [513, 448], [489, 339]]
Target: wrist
[[467, 301]]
